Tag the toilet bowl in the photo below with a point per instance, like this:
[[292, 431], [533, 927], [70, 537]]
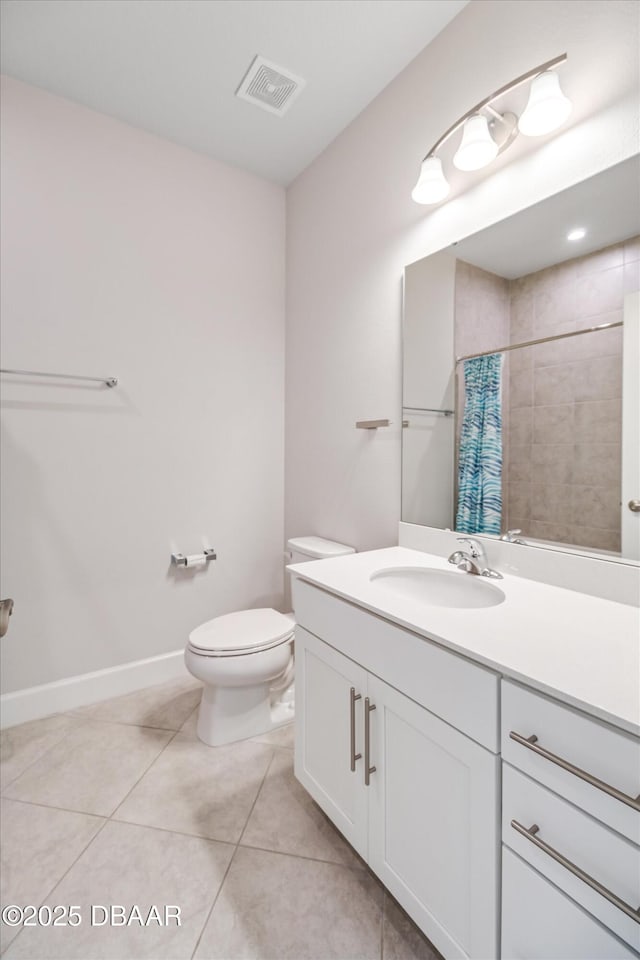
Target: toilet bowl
[[245, 661], [238, 657]]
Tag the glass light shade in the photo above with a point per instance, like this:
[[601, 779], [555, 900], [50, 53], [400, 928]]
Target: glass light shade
[[547, 109], [432, 185], [477, 147]]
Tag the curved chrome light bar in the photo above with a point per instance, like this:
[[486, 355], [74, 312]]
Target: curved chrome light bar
[[432, 183]]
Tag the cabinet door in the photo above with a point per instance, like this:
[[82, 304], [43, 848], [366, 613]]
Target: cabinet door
[[433, 824], [325, 718]]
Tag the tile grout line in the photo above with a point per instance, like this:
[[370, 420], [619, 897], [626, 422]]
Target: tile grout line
[[125, 723], [144, 826], [215, 900], [82, 721], [77, 723], [275, 751], [47, 750], [300, 856], [106, 820], [233, 855], [143, 774], [85, 717], [258, 792], [44, 899], [51, 806]]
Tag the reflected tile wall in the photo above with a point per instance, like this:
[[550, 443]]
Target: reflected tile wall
[[562, 415], [565, 399]]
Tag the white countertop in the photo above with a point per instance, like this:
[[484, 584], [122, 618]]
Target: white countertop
[[581, 649]]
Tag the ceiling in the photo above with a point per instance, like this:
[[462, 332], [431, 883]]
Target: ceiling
[[172, 67], [607, 206]]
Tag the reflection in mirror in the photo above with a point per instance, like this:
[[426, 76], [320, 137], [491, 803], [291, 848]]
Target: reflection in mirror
[[514, 406]]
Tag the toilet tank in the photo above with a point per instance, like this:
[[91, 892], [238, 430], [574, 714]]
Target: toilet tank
[[301, 549]]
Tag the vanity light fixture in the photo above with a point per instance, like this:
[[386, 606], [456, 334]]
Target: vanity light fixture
[[477, 147], [486, 132], [576, 234]]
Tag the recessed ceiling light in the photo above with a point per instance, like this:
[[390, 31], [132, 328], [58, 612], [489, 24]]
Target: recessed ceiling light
[[577, 234]]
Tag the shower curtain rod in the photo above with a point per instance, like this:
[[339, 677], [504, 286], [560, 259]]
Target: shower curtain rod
[[532, 343]]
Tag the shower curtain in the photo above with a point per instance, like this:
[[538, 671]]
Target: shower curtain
[[480, 454]]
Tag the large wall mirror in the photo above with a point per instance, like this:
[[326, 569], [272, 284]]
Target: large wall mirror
[[521, 350]]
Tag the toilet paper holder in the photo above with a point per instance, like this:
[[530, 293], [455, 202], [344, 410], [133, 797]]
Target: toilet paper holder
[[195, 559]]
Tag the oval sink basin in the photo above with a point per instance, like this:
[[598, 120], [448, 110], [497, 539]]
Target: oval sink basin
[[439, 588]]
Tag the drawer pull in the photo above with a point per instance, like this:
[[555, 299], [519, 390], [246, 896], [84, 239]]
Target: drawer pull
[[531, 744], [531, 834], [353, 696], [368, 770]]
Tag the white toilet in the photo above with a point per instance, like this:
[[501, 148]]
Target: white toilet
[[245, 661]]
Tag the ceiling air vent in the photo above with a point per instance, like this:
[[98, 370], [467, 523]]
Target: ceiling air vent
[[269, 86]]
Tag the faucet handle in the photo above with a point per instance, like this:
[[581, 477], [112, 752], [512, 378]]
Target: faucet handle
[[511, 536], [456, 557]]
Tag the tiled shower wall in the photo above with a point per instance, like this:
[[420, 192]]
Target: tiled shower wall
[[563, 400]]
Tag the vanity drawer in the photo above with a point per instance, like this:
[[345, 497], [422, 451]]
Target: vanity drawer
[[462, 693], [603, 855], [539, 922], [594, 749]]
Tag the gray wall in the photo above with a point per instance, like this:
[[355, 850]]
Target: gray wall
[[130, 256], [352, 227]]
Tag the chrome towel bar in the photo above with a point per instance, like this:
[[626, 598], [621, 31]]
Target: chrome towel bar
[[444, 412], [109, 381]]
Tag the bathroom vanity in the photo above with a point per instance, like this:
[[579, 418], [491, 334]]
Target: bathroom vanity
[[481, 756]]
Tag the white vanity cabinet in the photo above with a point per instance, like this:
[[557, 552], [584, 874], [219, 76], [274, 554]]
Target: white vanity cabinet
[[328, 727], [571, 832], [433, 835], [503, 816], [417, 797]]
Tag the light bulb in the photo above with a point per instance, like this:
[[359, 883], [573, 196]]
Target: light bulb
[[547, 109], [432, 185], [477, 147], [577, 234]]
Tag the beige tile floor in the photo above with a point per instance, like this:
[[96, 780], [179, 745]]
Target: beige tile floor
[[120, 803]]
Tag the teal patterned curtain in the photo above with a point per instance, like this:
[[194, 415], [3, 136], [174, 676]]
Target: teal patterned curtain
[[480, 455]]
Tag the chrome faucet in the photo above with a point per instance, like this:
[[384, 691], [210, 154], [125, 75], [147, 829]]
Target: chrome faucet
[[474, 561], [513, 536]]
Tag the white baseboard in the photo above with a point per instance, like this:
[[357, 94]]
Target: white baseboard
[[63, 695]]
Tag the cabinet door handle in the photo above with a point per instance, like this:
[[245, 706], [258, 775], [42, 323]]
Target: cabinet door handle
[[531, 744], [353, 696], [531, 834], [368, 770]]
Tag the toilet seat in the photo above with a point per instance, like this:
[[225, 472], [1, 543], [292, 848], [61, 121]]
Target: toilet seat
[[241, 633]]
